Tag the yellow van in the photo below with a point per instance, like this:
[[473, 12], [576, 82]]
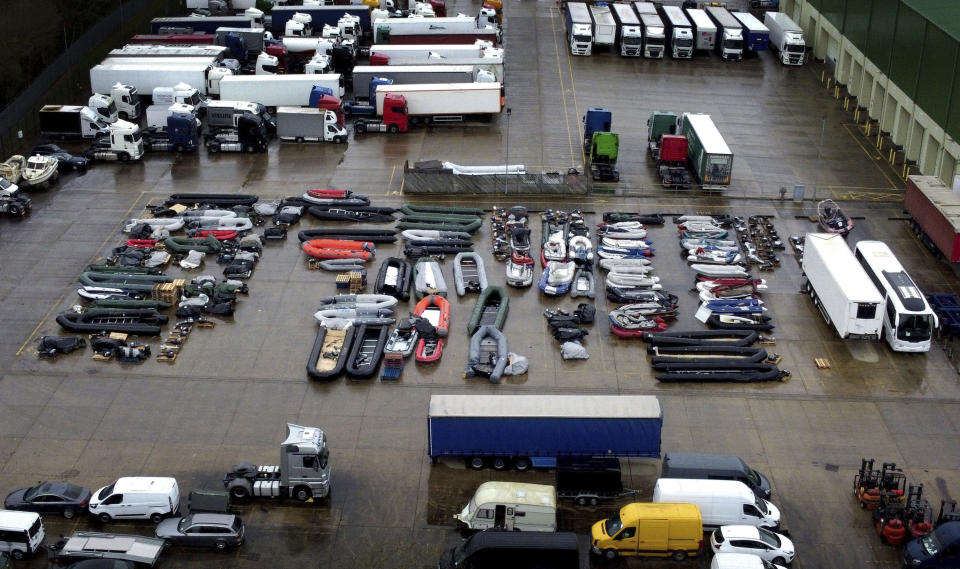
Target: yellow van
[[658, 530]]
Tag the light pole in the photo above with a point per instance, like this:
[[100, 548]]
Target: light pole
[[506, 165]]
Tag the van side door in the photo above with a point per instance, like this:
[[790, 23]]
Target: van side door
[[625, 542], [751, 515], [114, 506], [653, 536]]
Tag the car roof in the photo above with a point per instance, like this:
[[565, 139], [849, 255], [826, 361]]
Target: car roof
[[734, 532], [212, 518]]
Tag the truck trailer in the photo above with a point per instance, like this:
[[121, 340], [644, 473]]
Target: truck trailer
[[71, 121], [535, 430], [629, 34], [840, 288], [756, 36], [455, 30], [654, 38], [216, 52], [207, 25], [708, 154], [786, 38], [704, 30], [147, 74], [490, 61], [678, 31], [380, 54], [604, 26], [412, 74], [400, 106], [278, 90], [579, 28], [729, 34], [319, 16], [934, 215]]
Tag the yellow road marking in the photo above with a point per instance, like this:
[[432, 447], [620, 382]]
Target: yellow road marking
[[566, 117], [870, 156], [390, 183]]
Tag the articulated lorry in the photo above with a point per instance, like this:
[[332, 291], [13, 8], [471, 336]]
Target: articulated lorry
[[654, 37], [704, 30], [629, 34], [123, 142], [604, 26], [117, 101], [756, 36], [729, 34], [579, 28], [596, 119], [525, 431], [319, 16], [147, 73], [303, 473], [278, 90], [707, 152], [400, 106], [455, 30], [678, 31], [669, 150], [840, 288], [786, 38], [208, 25], [216, 52]]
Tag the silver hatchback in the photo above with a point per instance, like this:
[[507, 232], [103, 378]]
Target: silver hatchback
[[219, 531]]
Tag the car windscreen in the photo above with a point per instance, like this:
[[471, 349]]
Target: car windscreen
[[769, 537], [107, 490]]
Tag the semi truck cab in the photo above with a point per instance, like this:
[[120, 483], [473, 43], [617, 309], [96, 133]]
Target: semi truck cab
[[300, 25], [682, 43], [581, 39], [123, 142], [732, 48], [104, 106], [631, 41], [793, 48]]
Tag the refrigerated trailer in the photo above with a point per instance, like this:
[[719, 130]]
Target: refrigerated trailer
[[189, 24], [421, 51], [278, 90], [411, 74], [704, 30], [679, 32], [729, 33], [536, 430], [654, 39], [756, 36], [786, 38], [455, 30], [707, 152], [839, 287], [147, 73], [604, 26]]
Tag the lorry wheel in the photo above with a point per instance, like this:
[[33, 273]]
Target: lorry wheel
[[594, 501], [16, 210], [360, 127], [240, 492], [123, 156], [522, 464], [679, 555], [477, 463], [299, 140], [394, 129], [500, 463], [302, 493], [609, 554], [156, 517]]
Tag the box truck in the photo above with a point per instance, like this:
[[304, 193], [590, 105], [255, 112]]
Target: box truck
[[708, 154], [654, 39], [721, 502], [147, 74], [934, 215], [839, 287], [704, 30], [678, 31], [604, 26], [786, 37], [579, 28], [305, 124], [729, 34], [629, 34], [655, 530], [400, 106], [756, 36], [534, 430], [71, 121], [455, 30], [510, 506], [278, 90]]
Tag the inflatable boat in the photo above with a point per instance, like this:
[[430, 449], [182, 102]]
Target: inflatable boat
[[348, 234], [436, 310], [135, 281], [702, 338], [489, 354], [519, 270], [367, 351], [468, 273], [721, 271], [403, 339], [180, 245], [342, 265], [434, 235], [412, 209], [727, 321], [338, 249], [832, 219], [556, 278], [583, 284], [580, 250], [414, 223], [375, 317], [613, 264], [137, 321], [713, 257], [366, 301], [626, 322], [358, 214], [330, 349], [221, 200], [335, 197], [620, 216], [491, 309], [428, 278], [765, 373], [394, 278], [430, 343]]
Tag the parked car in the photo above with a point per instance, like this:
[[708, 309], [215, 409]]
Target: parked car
[[203, 530], [938, 549], [741, 561], [49, 498], [102, 564], [66, 160], [770, 546], [7, 187]]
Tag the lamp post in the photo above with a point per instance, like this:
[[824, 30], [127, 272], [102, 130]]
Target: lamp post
[[506, 165]]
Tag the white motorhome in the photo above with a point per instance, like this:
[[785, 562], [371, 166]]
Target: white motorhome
[[136, 497], [839, 287], [512, 506], [721, 502], [21, 533]]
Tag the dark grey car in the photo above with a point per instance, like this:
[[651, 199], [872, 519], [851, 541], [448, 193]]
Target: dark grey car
[[203, 530]]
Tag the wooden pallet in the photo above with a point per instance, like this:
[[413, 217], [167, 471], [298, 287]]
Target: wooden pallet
[[168, 292], [822, 363], [774, 359]]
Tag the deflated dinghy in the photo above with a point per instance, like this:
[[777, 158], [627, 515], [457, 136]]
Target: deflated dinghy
[[489, 354], [491, 309], [468, 273]]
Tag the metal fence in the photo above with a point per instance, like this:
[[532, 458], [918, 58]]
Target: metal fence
[[67, 79]]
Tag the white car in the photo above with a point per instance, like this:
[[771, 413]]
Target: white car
[[773, 547], [741, 561]]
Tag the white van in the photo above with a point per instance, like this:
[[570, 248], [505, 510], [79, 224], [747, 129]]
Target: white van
[[136, 498], [721, 502], [512, 506], [21, 533], [741, 561]]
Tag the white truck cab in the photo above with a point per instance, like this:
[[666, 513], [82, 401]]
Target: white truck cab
[[266, 64], [300, 25], [104, 106], [581, 39]]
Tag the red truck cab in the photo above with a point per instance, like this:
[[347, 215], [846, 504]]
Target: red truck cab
[[395, 112]]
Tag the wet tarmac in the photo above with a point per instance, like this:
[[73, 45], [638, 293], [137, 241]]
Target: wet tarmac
[[233, 387]]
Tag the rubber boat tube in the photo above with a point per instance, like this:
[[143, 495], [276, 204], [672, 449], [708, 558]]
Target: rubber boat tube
[[434, 235], [103, 293], [418, 251], [104, 268], [619, 235], [123, 281], [492, 369], [723, 321], [622, 280], [394, 278], [611, 264], [519, 272], [342, 265], [436, 310], [335, 249], [434, 217], [356, 315], [367, 351], [221, 223], [620, 216], [623, 253], [208, 244], [335, 197], [412, 209], [491, 309], [222, 200], [711, 366], [127, 304], [348, 234], [703, 338], [735, 306], [330, 349], [403, 339], [192, 214], [689, 353], [359, 214], [772, 373], [218, 234], [370, 301], [556, 278], [139, 321], [717, 271], [171, 224], [428, 278], [626, 325], [583, 284], [441, 226], [639, 270], [715, 257], [468, 273], [142, 243], [721, 244]]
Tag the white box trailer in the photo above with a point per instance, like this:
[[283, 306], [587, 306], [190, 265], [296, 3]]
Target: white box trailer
[[491, 62], [839, 287], [450, 99], [146, 74], [415, 51], [704, 31], [411, 75], [786, 37], [604, 26], [278, 90], [217, 52]]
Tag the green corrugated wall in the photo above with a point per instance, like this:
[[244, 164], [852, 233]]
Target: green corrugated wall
[[916, 54]]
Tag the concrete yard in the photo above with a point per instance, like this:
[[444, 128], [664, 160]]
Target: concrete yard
[[232, 389]]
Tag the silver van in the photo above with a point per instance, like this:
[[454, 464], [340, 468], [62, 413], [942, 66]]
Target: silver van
[[714, 467]]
